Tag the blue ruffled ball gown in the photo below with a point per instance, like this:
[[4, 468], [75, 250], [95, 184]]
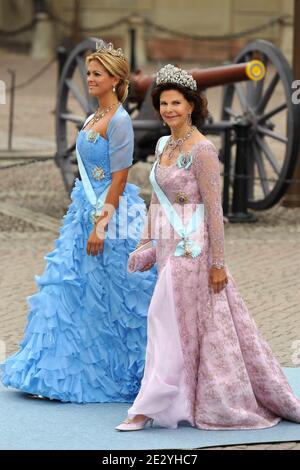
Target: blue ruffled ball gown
[[86, 334]]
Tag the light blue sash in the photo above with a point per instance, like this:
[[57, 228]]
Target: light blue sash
[[97, 203], [185, 247]]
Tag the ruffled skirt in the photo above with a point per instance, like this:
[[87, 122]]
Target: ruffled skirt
[[206, 361], [86, 333]]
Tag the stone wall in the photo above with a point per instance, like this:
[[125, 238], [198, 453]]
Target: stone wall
[[195, 17]]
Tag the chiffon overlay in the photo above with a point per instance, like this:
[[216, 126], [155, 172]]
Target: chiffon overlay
[[206, 361], [86, 334]]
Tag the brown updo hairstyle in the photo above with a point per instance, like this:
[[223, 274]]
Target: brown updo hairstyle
[[116, 67], [200, 111]]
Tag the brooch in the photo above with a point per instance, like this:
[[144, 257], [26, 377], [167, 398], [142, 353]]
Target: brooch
[[184, 161], [98, 173], [181, 198], [92, 136]]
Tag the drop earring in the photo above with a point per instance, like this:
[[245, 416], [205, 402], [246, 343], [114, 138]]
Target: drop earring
[[114, 89], [189, 119]]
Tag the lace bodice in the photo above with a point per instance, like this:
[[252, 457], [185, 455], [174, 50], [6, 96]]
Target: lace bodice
[[200, 182]]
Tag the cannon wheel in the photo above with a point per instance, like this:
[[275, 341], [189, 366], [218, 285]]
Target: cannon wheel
[[74, 104], [267, 106]]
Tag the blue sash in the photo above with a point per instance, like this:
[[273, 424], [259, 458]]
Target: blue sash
[[97, 203], [185, 247]]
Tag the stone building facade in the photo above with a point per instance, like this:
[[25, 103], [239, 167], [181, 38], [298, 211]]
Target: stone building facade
[[157, 25]]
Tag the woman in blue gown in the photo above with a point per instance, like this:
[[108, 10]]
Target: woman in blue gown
[[86, 333]]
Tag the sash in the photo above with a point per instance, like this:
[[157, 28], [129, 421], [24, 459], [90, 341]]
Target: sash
[[97, 203], [185, 247]]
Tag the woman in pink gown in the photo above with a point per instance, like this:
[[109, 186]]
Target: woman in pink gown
[[206, 361]]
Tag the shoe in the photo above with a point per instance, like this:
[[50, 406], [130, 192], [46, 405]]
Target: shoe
[[37, 397], [129, 425]]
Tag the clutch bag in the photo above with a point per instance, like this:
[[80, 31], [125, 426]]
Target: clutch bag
[[142, 256]]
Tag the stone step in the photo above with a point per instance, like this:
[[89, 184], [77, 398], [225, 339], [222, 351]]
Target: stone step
[[40, 220], [26, 154]]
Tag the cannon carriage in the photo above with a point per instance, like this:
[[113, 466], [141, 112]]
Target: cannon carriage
[[258, 125]]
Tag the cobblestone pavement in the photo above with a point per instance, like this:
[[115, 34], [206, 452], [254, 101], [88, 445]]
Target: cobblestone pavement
[[264, 258]]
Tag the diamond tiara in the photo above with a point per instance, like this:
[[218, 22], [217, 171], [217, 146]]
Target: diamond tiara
[[108, 48], [171, 74]]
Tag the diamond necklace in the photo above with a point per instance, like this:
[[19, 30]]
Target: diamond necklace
[[100, 114], [174, 143]]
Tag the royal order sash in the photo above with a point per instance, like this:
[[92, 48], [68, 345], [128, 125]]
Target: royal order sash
[[185, 247], [97, 203]]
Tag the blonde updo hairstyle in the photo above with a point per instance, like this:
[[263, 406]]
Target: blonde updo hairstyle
[[116, 67]]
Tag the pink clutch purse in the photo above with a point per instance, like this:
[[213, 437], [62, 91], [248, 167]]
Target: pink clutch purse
[[142, 256]]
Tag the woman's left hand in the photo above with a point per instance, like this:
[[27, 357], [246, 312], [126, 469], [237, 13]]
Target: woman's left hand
[[146, 267], [217, 279], [95, 242]]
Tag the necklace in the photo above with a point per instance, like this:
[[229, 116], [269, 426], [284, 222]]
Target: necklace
[[100, 114], [174, 143]]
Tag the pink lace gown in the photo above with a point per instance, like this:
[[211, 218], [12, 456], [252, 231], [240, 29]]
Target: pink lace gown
[[206, 361]]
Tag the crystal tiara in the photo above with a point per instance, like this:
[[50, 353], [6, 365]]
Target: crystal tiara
[[108, 48], [171, 74]]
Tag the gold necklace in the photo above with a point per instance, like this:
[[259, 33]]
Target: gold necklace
[[100, 114]]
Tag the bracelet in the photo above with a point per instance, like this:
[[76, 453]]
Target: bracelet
[[218, 264], [140, 244], [105, 227]]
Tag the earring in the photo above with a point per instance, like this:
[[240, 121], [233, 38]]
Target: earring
[[114, 89], [189, 119], [164, 124]]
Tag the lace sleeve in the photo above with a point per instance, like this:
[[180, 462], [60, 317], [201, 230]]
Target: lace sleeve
[[207, 171]]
